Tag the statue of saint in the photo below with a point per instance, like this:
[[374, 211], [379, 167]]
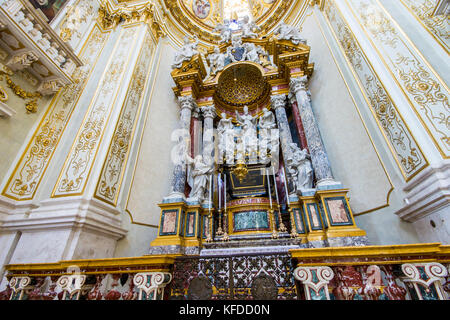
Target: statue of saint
[[226, 145], [266, 123], [198, 177], [249, 137], [287, 32], [299, 166], [186, 52]]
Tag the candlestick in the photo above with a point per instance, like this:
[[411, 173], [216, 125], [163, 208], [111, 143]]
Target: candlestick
[[286, 187], [282, 226], [294, 234], [268, 183]]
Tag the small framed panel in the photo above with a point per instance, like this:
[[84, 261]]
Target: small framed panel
[[299, 221], [250, 221], [314, 216], [190, 224], [169, 222], [338, 211]]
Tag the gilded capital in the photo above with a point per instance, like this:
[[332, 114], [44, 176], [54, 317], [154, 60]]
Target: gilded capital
[[209, 111], [278, 101], [187, 102], [298, 84]]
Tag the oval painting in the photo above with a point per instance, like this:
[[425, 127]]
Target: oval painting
[[201, 8]]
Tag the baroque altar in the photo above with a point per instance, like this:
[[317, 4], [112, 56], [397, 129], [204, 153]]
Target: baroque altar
[[250, 169]]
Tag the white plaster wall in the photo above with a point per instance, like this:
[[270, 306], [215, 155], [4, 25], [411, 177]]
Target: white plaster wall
[[104, 246], [154, 167], [41, 246]]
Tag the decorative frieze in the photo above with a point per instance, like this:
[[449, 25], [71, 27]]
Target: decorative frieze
[[402, 143], [28, 172], [75, 172], [427, 93], [436, 25], [108, 186]]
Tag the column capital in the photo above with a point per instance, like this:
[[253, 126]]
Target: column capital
[[278, 101], [300, 83], [209, 111], [187, 102]]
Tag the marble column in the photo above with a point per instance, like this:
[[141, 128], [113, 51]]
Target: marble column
[[209, 113], [298, 121], [187, 104], [319, 158], [279, 104]]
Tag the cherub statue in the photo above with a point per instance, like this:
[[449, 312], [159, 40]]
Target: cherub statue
[[287, 32], [186, 52], [248, 27], [251, 53], [225, 32], [198, 177], [216, 61], [264, 58]]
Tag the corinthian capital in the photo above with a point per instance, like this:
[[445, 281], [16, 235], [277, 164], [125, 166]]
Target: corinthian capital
[[278, 101], [298, 84], [187, 102], [209, 112]]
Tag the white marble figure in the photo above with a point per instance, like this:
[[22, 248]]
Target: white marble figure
[[248, 28], [216, 61], [287, 32], [198, 177], [226, 145], [186, 52], [225, 32], [300, 168], [264, 58], [249, 137], [251, 53], [266, 124]]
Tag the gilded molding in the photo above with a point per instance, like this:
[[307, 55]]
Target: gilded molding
[[110, 181], [426, 93], [437, 26], [355, 214], [74, 175], [30, 105], [402, 144], [33, 163]]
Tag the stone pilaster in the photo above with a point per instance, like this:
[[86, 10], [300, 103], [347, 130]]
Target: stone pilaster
[[319, 158], [278, 104], [187, 104], [209, 113]]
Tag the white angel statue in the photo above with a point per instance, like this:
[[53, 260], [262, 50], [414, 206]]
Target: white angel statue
[[287, 32], [186, 52]]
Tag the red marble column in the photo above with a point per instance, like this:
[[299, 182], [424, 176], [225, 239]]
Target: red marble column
[[299, 125]]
